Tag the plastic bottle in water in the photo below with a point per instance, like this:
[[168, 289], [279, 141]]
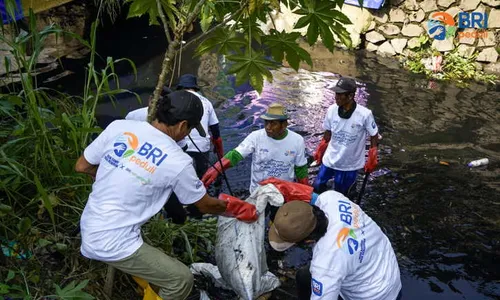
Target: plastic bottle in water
[[479, 162]]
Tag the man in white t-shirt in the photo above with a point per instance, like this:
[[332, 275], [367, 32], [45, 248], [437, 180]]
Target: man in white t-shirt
[[200, 148], [141, 114], [342, 149], [352, 257], [173, 209], [136, 166], [276, 152]]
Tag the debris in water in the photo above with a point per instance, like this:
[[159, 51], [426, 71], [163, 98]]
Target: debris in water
[[444, 163], [479, 162], [381, 172]]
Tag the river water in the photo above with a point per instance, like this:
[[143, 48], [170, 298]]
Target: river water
[[441, 217]]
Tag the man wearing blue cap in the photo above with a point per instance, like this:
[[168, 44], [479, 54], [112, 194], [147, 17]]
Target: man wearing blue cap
[[276, 152], [198, 146]]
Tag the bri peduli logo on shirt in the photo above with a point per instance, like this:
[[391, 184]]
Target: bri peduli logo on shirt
[[290, 153], [347, 240], [317, 287], [146, 156]]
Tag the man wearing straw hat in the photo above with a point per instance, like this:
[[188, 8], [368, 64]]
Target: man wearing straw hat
[[276, 152]]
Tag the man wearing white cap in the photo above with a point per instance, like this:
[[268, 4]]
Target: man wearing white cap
[[352, 257]]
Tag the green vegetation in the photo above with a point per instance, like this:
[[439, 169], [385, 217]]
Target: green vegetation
[[42, 134], [44, 131], [454, 66]]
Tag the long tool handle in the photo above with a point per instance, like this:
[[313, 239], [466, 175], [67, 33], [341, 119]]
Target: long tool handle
[[365, 180]]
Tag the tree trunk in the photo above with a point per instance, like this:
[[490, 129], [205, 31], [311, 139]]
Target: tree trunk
[[171, 50], [166, 65]]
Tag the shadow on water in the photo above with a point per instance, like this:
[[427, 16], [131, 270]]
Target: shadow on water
[[441, 217]]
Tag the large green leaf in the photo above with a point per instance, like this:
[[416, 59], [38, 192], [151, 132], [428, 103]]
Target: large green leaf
[[223, 41], [138, 8], [207, 16], [323, 19], [252, 66], [281, 43], [252, 30], [73, 291]]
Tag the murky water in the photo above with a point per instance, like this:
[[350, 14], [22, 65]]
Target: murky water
[[441, 217]]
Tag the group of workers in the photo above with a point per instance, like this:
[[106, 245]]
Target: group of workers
[[139, 166]]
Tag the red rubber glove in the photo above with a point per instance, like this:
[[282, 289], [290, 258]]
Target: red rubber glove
[[291, 190], [212, 173], [239, 209], [371, 163], [320, 151], [303, 181], [218, 148]]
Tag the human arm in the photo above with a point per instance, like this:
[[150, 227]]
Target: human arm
[[300, 163], [228, 206], [325, 283], [89, 161], [372, 130], [190, 190], [301, 173], [217, 140], [320, 151], [229, 160], [83, 166], [291, 190]]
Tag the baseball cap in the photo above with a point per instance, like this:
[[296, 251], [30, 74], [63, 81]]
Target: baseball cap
[[188, 81], [345, 85], [294, 222], [275, 111], [187, 106]]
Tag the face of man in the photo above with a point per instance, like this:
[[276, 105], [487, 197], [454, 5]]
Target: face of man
[[343, 99], [275, 129]]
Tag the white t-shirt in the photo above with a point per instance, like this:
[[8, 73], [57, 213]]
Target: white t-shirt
[[345, 152], [209, 118], [354, 259], [141, 114], [273, 158], [139, 167]]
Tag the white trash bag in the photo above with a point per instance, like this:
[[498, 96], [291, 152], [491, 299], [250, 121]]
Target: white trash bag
[[240, 252]]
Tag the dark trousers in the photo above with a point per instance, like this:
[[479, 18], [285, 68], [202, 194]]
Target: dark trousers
[[174, 209], [344, 180], [303, 281], [201, 162]]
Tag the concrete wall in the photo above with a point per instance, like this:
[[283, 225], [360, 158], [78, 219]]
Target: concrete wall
[[395, 29]]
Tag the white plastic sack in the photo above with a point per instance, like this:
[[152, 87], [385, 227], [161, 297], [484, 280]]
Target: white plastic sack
[[240, 252]]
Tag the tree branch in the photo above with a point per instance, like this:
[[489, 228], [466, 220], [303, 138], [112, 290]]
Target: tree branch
[[163, 20], [170, 55], [231, 17]]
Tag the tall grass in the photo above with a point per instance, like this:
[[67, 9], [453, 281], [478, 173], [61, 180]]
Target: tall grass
[[42, 133]]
